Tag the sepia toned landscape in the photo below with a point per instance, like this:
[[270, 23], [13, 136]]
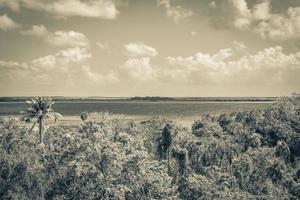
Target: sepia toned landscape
[[149, 99]]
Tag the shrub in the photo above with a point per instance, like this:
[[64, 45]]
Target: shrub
[[282, 150], [164, 142], [206, 126], [253, 140], [245, 155], [84, 116]]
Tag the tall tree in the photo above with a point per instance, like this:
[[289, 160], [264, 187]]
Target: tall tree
[[40, 109]]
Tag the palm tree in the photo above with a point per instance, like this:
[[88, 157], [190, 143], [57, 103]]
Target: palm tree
[[40, 109]]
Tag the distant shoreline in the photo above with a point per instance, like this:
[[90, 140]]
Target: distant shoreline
[[148, 99]]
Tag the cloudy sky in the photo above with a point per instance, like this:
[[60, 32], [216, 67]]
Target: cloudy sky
[[149, 47]]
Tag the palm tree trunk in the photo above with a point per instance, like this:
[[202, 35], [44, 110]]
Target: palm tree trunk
[[41, 130], [32, 127], [169, 170]]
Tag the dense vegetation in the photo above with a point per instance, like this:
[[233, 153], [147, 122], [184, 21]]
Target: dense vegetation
[[242, 155]]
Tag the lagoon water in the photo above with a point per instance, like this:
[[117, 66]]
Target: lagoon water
[[180, 109]]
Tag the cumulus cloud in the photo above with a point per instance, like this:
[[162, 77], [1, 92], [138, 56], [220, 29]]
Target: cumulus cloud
[[36, 30], [261, 11], [68, 65], [48, 67], [239, 46], [68, 38], [61, 58], [232, 65], [201, 62], [110, 77], [265, 23], [105, 9], [140, 50], [281, 26], [176, 13], [266, 18], [226, 67], [7, 23], [137, 69], [11, 65], [58, 38], [206, 68]]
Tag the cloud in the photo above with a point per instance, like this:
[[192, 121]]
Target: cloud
[[260, 20], [280, 27], [105, 9], [140, 50], [137, 69], [47, 68], [261, 11], [103, 46], [68, 66], [272, 57], [61, 58], [239, 46], [242, 14], [212, 4], [12, 4], [58, 38], [193, 33], [200, 60], [206, 68], [269, 19], [68, 39], [176, 13], [7, 23], [36, 30], [11, 65], [229, 66], [109, 77]]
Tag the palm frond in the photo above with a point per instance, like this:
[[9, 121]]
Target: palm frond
[[41, 107], [58, 115]]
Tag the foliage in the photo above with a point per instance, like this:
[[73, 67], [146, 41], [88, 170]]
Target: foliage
[[40, 109], [84, 116], [243, 155]]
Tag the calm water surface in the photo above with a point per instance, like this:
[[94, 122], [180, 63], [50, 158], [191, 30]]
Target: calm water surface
[[144, 108]]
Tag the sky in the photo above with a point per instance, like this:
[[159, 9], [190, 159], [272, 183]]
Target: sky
[[119, 48]]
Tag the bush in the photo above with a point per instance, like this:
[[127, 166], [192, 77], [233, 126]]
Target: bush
[[84, 116], [206, 126], [244, 155]]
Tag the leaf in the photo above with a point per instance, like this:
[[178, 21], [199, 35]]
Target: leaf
[[58, 115], [40, 113], [49, 115], [33, 101], [31, 110]]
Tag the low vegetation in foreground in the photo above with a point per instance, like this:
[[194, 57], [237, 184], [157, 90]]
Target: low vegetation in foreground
[[242, 155]]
